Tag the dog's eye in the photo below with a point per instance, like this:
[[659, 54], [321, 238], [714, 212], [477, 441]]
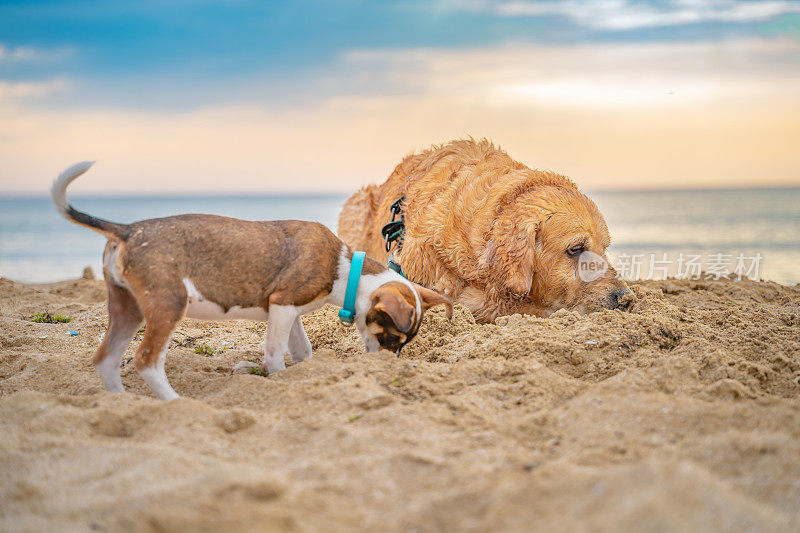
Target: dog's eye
[[575, 250]]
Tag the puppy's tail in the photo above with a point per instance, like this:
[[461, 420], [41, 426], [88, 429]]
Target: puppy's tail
[[59, 194]]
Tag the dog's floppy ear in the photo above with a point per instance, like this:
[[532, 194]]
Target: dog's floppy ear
[[389, 301], [510, 252], [431, 298]]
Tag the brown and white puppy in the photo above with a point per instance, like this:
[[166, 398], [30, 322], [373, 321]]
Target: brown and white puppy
[[203, 266], [490, 233]]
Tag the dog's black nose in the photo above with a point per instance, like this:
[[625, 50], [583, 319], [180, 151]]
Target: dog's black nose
[[620, 299]]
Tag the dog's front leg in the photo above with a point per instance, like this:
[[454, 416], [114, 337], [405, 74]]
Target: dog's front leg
[[280, 320], [299, 345]]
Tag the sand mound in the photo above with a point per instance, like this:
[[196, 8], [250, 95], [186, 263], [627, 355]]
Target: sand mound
[[683, 414]]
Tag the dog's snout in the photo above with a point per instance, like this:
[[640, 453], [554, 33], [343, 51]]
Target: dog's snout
[[620, 299]]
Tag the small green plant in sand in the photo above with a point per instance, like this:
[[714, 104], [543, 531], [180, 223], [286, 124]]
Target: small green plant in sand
[[257, 371], [205, 349], [47, 318]]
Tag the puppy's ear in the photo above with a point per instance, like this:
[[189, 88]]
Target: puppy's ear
[[510, 252], [431, 298], [389, 301]]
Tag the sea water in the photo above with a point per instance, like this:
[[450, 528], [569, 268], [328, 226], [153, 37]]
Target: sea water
[[654, 233]]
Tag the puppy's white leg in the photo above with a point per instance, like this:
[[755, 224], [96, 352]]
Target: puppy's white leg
[[299, 345], [108, 367], [124, 319], [279, 327], [152, 353], [156, 378]]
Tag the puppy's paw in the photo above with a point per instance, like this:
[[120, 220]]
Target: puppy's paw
[[244, 367]]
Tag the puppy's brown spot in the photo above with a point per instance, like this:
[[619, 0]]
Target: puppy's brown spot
[[432, 298], [396, 300], [393, 316]]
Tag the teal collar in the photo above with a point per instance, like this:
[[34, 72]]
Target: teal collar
[[348, 311]]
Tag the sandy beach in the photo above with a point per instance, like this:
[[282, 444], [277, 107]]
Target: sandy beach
[[682, 414]]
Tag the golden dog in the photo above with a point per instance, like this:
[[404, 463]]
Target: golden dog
[[490, 233]]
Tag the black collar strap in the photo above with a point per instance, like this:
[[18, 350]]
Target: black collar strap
[[395, 230]]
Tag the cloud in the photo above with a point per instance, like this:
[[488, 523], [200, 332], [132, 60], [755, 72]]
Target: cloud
[[609, 115], [26, 54], [627, 15], [586, 76], [16, 54], [13, 91]]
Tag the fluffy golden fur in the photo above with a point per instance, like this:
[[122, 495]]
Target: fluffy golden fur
[[487, 231]]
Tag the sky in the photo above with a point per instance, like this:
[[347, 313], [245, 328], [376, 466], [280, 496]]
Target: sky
[[179, 96]]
